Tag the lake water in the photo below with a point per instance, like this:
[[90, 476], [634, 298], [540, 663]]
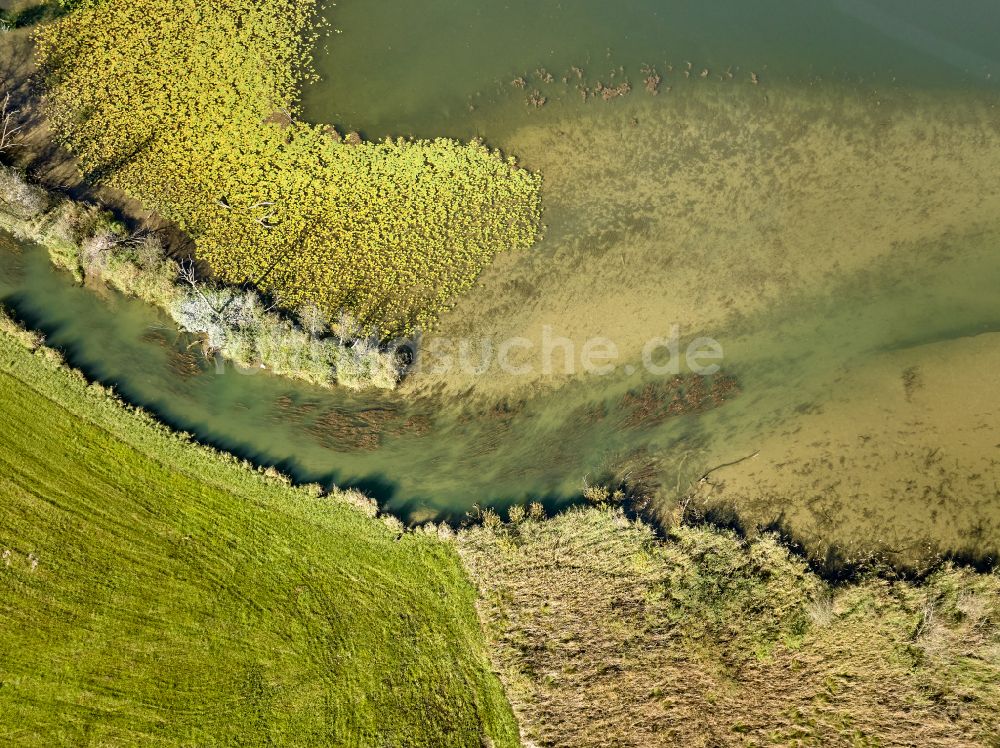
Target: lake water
[[834, 225], [398, 68]]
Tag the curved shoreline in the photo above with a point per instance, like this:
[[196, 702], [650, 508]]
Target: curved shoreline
[[833, 567], [602, 603]]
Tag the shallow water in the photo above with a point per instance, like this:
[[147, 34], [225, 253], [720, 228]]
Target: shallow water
[[835, 227], [442, 455], [397, 68]]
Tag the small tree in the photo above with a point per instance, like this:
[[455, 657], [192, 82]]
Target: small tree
[[346, 327], [312, 320], [11, 129], [20, 198]]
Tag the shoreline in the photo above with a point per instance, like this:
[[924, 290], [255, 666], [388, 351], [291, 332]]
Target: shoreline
[[743, 629], [875, 565], [86, 240]]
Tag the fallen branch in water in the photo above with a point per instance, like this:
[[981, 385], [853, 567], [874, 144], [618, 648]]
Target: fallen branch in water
[[704, 476]]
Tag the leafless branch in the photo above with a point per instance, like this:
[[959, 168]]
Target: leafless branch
[[186, 273], [10, 129], [267, 221], [134, 239]]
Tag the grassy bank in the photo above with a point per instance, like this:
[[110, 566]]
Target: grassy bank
[[155, 592], [606, 635], [193, 112]]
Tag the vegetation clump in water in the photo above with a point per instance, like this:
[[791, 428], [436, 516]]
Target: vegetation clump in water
[[176, 105], [680, 395]]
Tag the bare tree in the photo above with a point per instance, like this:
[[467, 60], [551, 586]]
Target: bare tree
[[10, 126], [312, 319], [348, 327], [187, 274]]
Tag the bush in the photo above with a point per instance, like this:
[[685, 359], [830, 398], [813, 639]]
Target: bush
[[238, 326], [20, 199], [133, 265]]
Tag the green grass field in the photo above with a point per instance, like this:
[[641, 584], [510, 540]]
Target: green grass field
[[153, 592]]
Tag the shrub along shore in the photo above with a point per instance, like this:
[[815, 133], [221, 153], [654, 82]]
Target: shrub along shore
[[233, 322]]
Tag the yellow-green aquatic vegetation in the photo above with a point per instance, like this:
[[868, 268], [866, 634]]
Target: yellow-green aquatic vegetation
[[191, 110]]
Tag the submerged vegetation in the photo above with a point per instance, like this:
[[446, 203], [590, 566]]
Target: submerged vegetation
[[605, 634], [192, 111], [155, 592]]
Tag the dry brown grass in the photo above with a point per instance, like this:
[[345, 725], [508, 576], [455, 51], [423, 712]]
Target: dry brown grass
[[607, 636]]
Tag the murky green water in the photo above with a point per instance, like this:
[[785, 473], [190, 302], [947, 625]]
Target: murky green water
[[463, 456], [816, 223], [398, 68]]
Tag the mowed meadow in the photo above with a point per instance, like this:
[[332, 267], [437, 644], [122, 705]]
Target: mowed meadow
[[153, 592]]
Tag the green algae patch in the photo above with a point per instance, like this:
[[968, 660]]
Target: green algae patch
[[194, 113]]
